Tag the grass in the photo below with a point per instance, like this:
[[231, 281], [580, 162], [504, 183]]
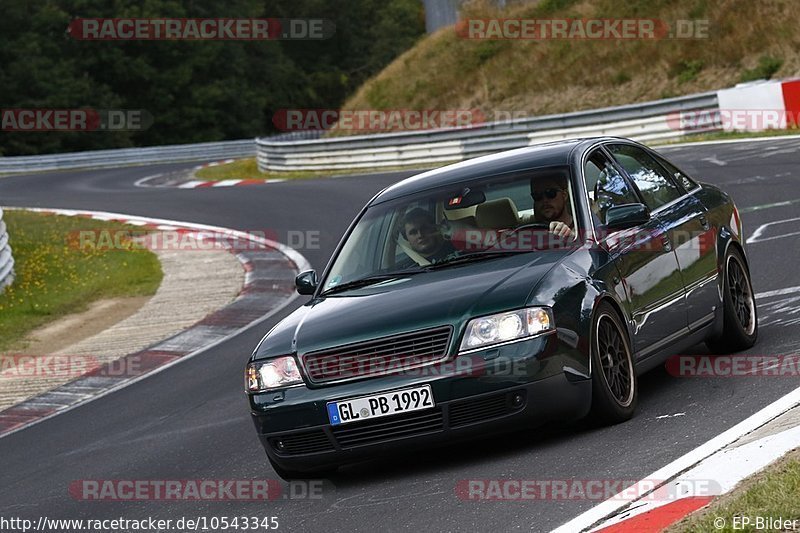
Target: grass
[[766, 69], [445, 71], [55, 277], [770, 493], [247, 169], [240, 169]]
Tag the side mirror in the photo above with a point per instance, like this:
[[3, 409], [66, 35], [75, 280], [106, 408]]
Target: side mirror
[[306, 282], [626, 216]]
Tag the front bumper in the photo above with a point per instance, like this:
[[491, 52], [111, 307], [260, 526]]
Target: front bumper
[[518, 386]]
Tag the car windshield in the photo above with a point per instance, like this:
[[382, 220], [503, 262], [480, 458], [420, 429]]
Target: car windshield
[[511, 213]]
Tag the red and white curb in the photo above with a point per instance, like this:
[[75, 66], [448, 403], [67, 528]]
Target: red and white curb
[[185, 179], [268, 288], [721, 472], [713, 462], [199, 184]]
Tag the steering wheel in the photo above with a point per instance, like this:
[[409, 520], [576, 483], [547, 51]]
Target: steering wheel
[[531, 225], [510, 233]]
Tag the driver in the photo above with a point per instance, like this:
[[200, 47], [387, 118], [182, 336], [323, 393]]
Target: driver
[[424, 236], [551, 205]]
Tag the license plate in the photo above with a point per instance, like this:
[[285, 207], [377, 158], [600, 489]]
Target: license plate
[[378, 405]]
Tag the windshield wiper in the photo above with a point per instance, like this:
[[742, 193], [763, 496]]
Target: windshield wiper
[[472, 257], [370, 280]]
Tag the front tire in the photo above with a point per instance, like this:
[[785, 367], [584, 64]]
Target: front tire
[[740, 319], [615, 389]]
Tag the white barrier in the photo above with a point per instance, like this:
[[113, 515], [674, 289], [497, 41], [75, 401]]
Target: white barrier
[[6, 259], [761, 105]]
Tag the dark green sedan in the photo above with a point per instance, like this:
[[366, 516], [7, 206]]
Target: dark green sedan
[[502, 292]]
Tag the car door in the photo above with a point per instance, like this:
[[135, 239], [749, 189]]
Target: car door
[[647, 265], [694, 240]]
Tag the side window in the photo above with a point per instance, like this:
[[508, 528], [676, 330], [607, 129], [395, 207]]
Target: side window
[[651, 179], [605, 186], [687, 182]]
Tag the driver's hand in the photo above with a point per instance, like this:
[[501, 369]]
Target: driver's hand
[[560, 229]]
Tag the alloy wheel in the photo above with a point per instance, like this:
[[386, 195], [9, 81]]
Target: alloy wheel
[[741, 294], [615, 360]]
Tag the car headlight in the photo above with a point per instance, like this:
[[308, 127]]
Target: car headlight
[[503, 327], [275, 373]]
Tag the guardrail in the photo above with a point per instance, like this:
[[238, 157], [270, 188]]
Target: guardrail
[[128, 156], [650, 121], [6, 259]]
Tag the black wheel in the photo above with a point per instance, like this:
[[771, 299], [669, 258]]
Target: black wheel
[[615, 390], [740, 320], [288, 474]]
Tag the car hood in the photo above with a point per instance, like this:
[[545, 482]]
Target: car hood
[[449, 296]]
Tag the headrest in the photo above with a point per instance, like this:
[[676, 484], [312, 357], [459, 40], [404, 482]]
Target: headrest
[[497, 214]]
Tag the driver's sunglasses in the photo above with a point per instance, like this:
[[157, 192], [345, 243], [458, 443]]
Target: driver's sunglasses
[[549, 193], [425, 228]]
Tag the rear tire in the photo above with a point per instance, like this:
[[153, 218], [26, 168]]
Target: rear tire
[[615, 389], [740, 318]]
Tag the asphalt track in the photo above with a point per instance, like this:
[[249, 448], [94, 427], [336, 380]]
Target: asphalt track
[[192, 422]]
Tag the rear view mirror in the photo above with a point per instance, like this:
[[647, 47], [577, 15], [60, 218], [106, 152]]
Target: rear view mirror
[[626, 216], [467, 198]]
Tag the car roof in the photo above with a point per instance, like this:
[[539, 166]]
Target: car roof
[[557, 153]]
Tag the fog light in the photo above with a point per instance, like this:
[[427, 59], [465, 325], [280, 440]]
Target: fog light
[[279, 444]]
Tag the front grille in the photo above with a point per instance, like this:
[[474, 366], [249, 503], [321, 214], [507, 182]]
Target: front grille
[[378, 356], [391, 428], [479, 410], [355, 434], [299, 443]]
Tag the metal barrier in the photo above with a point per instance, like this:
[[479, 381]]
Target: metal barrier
[[6, 259], [650, 121], [128, 156]]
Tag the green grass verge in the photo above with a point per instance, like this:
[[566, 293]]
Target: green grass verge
[[240, 169], [247, 169], [773, 493], [54, 277]]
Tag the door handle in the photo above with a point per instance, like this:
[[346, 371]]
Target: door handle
[[704, 221]]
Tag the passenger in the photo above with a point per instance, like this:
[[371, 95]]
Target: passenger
[[424, 236]]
